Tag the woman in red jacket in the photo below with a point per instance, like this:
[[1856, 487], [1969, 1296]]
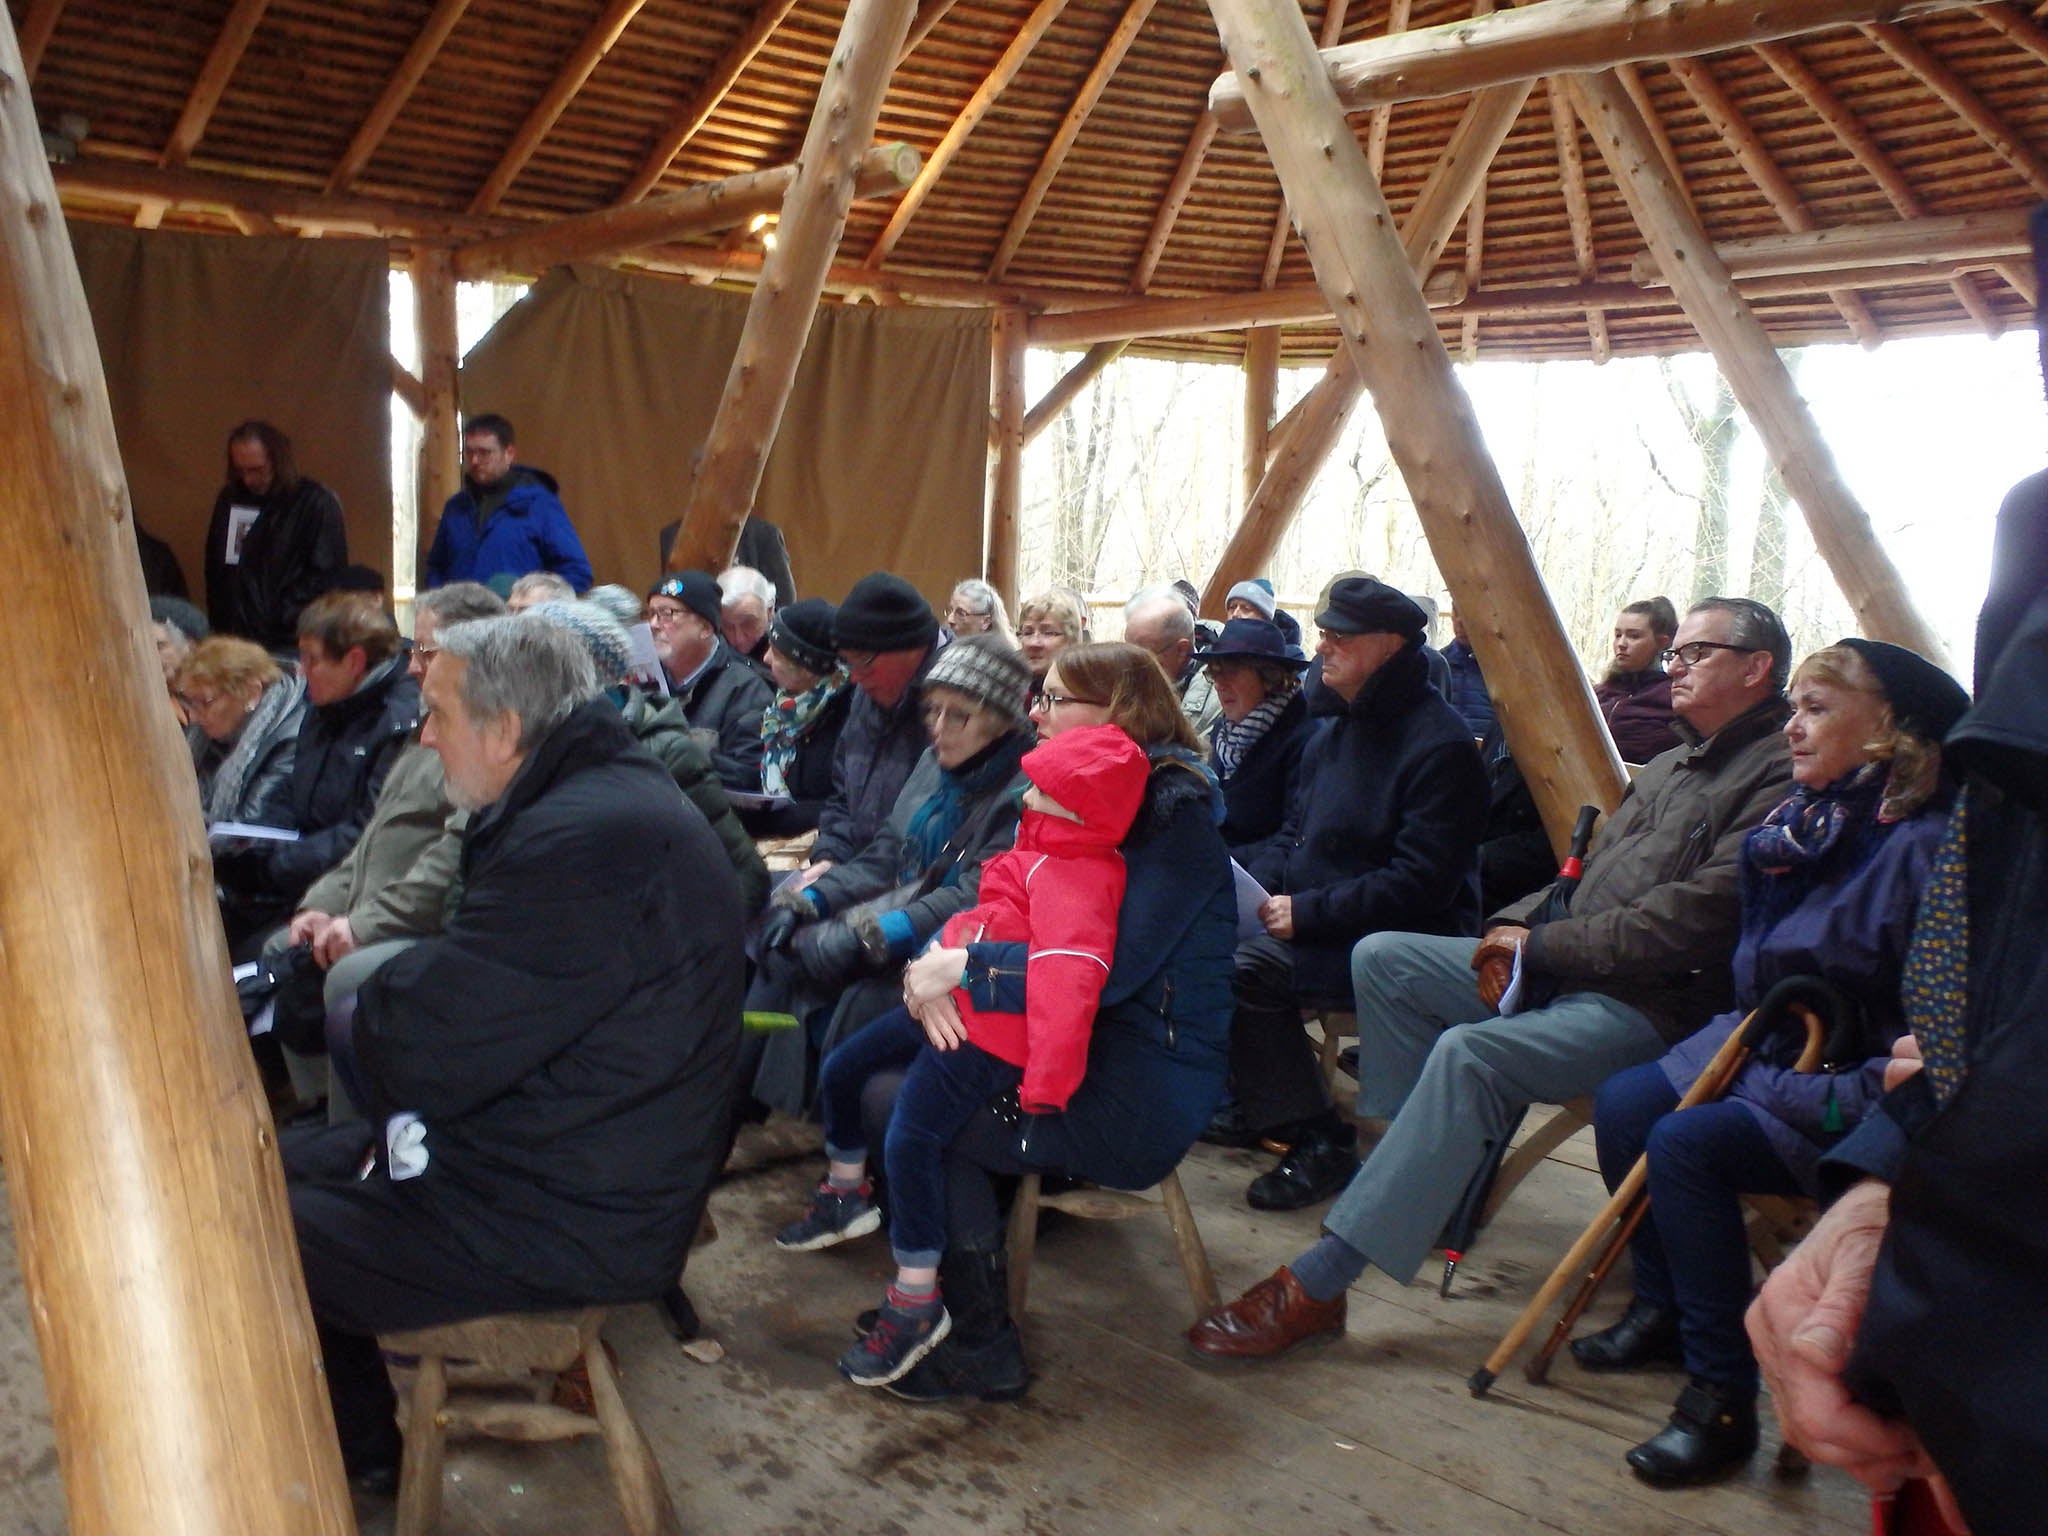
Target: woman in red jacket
[[1058, 891]]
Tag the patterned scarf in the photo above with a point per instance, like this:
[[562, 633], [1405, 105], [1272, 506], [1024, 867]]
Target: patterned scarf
[[1808, 823], [1935, 984], [786, 722], [1232, 742], [224, 800]]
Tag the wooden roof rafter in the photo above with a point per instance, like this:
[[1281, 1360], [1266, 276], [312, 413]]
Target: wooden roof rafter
[[1564, 127], [419, 58], [589, 53], [707, 98], [1193, 152], [985, 96], [1075, 119], [243, 18], [1910, 55], [38, 26], [1398, 14], [1770, 177]]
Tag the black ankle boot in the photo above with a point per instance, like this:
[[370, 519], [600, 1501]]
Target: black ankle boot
[[1711, 1434], [1646, 1335], [983, 1355]]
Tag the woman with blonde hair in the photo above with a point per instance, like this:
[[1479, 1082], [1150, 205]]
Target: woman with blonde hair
[[250, 714], [1830, 882], [1046, 625]]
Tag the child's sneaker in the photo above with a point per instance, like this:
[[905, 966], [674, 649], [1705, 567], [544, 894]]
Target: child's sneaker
[[902, 1336], [834, 1216]]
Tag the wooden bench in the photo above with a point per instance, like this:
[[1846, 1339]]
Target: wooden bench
[[521, 1347], [1110, 1205]]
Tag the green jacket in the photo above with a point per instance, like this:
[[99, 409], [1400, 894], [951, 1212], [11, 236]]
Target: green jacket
[[664, 731], [1654, 922], [393, 883]]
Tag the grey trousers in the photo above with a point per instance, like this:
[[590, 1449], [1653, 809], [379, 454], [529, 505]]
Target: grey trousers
[[1452, 1077]]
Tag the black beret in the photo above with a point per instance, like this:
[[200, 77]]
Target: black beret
[[1925, 700]]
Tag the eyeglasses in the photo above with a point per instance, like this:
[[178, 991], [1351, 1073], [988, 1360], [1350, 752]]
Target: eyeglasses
[[426, 652], [1050, 701], [199, 704], [859, 661], [663, 616], [1693, 652], [948, 717]]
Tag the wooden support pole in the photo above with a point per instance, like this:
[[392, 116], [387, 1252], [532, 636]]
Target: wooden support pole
[[407, 386], [433, 297], [1077, 378], [597, 42], [1761, 384], [242, 20], [792, 277], [1328, 35], [412, 69], [696, 112], [1302, 442], [1261, 387], [1558, 37], [149, 1208], [1006, 464], [1545, 704], [723, 204], [1972, 237]]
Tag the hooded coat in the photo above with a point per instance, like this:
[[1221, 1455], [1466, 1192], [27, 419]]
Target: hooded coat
[[523, 530], [568, 1042], [1383, 831], [1057, 890]]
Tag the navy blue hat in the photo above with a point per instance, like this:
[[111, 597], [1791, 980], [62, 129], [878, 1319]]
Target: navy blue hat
[[1359, 605], [696, 591], [1251, 640], [1925, 700]]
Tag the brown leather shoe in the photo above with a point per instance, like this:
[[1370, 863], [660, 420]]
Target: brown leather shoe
[[1271, 1318]]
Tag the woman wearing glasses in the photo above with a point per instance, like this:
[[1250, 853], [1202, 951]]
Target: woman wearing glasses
[[1157, 1051], [250, 713]]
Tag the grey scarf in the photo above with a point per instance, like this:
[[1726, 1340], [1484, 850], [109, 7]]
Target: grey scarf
[[259, 735]]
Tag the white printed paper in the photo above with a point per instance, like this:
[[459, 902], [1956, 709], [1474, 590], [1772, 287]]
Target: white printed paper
[[240, 521]]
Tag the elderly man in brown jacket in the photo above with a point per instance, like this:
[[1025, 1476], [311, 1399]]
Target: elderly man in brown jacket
[[1640, 960]]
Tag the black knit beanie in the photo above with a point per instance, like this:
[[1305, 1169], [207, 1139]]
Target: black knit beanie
[[884, 613], [802, 631], [1925, 700]]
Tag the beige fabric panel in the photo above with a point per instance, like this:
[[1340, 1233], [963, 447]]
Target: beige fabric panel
[[199, 332], [611, 381]]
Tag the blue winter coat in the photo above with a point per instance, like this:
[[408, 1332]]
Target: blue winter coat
[[527, 531], [1850, 927], [1467, 692], [1255, 798], [1383, 831], [1161, 1041]]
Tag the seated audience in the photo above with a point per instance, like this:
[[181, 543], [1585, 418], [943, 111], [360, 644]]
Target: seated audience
[[249, 713], [506, 520], [274, 539], [537, 587], [363, 709], [1637, 961], [658, 725], [848, 932], [976, 608], [1635, 695], [887, 639], [1056, 892], [746, 604], [1156, 1048], [1467, 693], [1158, 621], [1262, 724], [1046, 625], [1380, 834], [719, 692], [545, 1080], [801, 728], [1829, 884], [394, 883]]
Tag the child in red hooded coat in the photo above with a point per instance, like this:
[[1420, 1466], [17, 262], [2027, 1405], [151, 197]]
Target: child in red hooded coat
[[1057, 890]]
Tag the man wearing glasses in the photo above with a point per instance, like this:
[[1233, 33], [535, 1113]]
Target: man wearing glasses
[[1639, 962]]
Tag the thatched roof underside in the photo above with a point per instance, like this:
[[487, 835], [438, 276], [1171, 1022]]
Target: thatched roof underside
[[313, 70]]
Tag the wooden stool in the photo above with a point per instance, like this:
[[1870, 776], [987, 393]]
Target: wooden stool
[[1110, 1205], [519, 1344], [1336, 1026]]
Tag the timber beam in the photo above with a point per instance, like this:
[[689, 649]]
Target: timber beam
[[1559, 37], [1212, 312], [887, 168], [1965, 237]]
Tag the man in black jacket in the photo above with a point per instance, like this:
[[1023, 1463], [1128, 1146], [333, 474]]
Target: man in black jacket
[[274, 539], [719, 691], [1383, 833], [545, 1079]]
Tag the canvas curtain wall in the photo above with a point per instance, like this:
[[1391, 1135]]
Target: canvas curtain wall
[[200, 332], [611, 382]]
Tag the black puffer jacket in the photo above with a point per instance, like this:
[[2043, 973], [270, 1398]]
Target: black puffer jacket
[[286, 558], [1384, 829], [568, 1042], [345, 750]]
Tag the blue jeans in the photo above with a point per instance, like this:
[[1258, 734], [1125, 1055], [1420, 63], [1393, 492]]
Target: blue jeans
[[1690, 1252], [941, 1092]]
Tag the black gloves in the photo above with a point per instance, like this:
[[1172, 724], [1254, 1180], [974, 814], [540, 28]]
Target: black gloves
[[827, 953], [787, 910]]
